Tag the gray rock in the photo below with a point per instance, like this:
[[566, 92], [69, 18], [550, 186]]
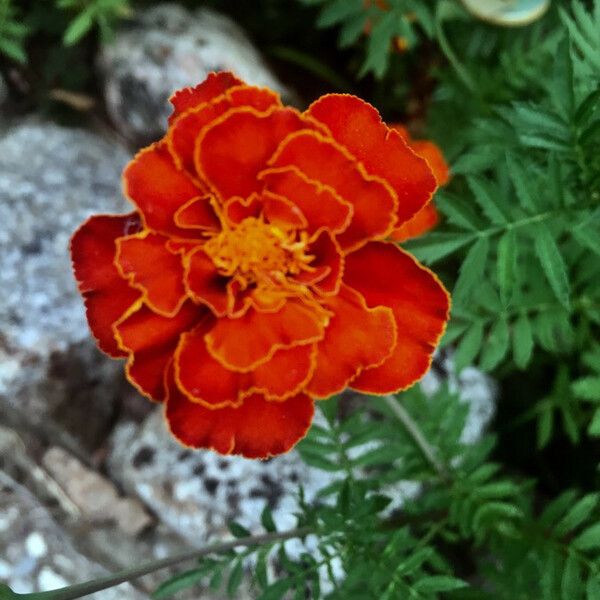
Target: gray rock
[[166, 48], [52, 179], [36, 555]]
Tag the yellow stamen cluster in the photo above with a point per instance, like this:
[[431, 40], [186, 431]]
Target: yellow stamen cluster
[[256, 252]]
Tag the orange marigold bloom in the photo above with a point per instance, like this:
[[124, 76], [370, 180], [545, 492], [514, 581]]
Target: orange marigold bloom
[[427, 218], [254, 275]]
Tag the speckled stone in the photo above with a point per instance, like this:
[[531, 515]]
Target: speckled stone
[[36, 555], [52, 179], [166, 48]]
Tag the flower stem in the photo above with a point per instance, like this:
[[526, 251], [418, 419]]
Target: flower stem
[[414, 431], [80, 590]]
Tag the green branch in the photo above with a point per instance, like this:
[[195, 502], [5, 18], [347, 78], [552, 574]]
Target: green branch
[[102, 583], [414, 431]]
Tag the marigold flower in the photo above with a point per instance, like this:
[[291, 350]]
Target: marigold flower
[[427, 218], [255, 274]]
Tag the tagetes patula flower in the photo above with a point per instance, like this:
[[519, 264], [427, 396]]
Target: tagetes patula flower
[[427, 218], [255, 275]]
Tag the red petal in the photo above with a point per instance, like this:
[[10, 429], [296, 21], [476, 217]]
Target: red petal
[[214, 85], [282, 212], [358, 127], [151, 340], [204, 282], [386, 275], [422, 222], [198, 213], [237, 146], [205, 380], [155, 271], [107, 295], [324, 161], [328, 264], [321, 206], [184, 132], [357, 337], [259, 428], [158, 189], [237, 209], [244, 343]]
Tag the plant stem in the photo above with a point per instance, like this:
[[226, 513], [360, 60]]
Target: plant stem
[[417, 436], [83, 589]]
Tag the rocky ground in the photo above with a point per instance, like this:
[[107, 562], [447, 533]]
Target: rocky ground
[[89, 478]]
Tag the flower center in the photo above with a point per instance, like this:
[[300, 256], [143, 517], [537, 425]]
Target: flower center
[[259, 252]]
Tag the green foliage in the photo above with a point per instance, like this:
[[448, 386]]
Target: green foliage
[[104, 14], [12, 32], [383, 22]]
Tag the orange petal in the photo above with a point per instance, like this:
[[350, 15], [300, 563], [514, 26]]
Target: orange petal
[[150, 267], [205, 380], [198, 213], [158, 189], [151, 340], [387, 276], [357, 126], [259, 428], [325, 161], [244, 343], [425, 220], [204, 282], [184, 132], [435, 159], [237, 146], [357, 337], [107, 295], [328, 263], [320, 205], [214, 85]]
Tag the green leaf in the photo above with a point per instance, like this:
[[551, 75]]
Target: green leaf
[[238, 530], [337, 11], [352, 29], [571, 584], [507, 265], [180, 582], [469, 347], [587, 388], [378, 48], [577, 515], [544, 427], [592, 589], [594, 426], [266, 518], [522, 341], [438, 583], [519, 179], [80, 25], [472, 271], [13, 50], [277, 590], [483, 196], [235, 579], [435, 246], [588, 539], [552, 263], [496, 346]]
